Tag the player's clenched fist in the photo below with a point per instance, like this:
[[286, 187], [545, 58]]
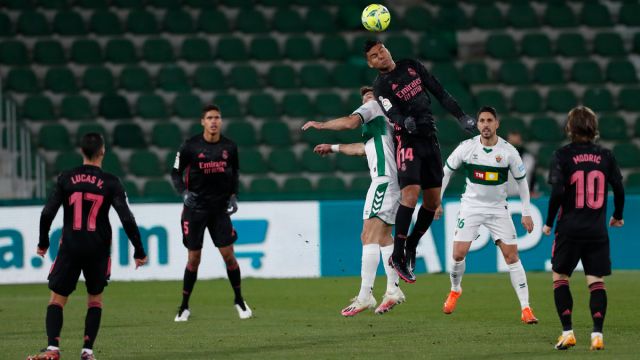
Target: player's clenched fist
[[322, 149]]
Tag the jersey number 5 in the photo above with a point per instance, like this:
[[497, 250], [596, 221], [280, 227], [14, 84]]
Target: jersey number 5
[[594, 189], [75, 200]]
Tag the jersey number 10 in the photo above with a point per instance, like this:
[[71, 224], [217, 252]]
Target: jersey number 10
[[594, 189], [75, 200]]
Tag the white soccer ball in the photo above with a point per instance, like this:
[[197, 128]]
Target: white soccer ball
[[375, 17]]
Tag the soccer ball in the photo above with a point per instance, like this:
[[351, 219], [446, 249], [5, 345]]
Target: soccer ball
[[375, 17]]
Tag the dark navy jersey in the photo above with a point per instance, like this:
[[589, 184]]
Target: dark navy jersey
[[210, 170], [86, 194], [404, 92], [580, 175]]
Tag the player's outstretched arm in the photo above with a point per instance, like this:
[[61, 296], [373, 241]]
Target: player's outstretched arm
[[343, 123], [355, 149]]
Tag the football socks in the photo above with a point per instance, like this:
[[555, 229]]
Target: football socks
[[519, 283], [424, 220], [392, 275], [370, 260], [92, 324], [457, 270], [233, 273], [598, 305], [188, 283], [54, 323], [403, 221], [564, 302]]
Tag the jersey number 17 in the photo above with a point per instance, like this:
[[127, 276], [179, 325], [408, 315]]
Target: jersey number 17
[[75, 200]]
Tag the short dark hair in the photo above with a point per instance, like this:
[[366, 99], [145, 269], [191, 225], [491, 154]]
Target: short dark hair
[[489, 109], [370, 43], [91, 144], [365, 89], [209, 107], [582, 124]]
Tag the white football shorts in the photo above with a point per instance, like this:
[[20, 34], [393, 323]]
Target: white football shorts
[[500, 226], [383, 200]]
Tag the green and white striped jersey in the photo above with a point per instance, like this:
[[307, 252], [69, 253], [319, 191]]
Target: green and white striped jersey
[[377, 134], [486, 169]]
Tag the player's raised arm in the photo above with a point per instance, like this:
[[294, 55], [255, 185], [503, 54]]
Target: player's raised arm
[[48, 214], [128, 222], [342, 123]]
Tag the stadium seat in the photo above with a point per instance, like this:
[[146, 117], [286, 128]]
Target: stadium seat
[[595, 14], [446, 73], [98, 79], [400, 46], [548, 73], [435, 48], [546, 129], [86, 52], [91, 128], [522, 16], [129, 4], [157, 50], [598, 99], [315, 76], [13, 53], [331, 186], [348, 75], [76, 107], [66, 160], [242, 133], [209, 77], [612, 127], [536, 45], [159, 188], [571, 45], [120, 51], [627, 154], [276, 134], [527, 100], [105, 23], [232, 49], [348, 17], [297, 185], [348, 163], [187, 106], [212, 21], [283, 161], [282, 77], [299, 48], [488, 17], [38, 108], [54, 137], [449, 132], [314, 137], [629, 14], [501, 46], [22, 80], [451, 17], [636, 128], [264, 48], [329, 105], [561, 100], [252, 162], [334, 47], [68, 23], [151, 106], [145, 163], [252, 22], [559, 15], [609, 44], [32, 23], [131, 189], [492, 98], [6, 28], [141, 22], [229, 105], [166, 4], [628, 99], [475, 73], [514, 73], [632, 183], [621, 72], [263, 185], [128, 136], [173, 79], [196, 50], [262, 105], [244, 77], [317, 164], [463, 96], [49, 52], [360, 184], [586, 72], [545, 154], [297, 105], [349, 136], [417, 18], [509, 123], [357, 46], [136, 79], [178, 21], [114, 106], [60, 80], [286, 20]]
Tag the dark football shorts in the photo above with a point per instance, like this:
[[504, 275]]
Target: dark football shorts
[[194, 222], [567, 252], [419, 162], [66, 269]]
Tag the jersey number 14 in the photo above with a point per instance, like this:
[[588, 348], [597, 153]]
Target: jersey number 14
[[594, 192]]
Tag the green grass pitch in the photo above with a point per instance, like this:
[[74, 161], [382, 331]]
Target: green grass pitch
[[300, 318]]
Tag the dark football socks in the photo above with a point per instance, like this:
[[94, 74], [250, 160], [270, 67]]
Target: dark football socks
[[403, 221], [564, 302], [233, 272], [92, 324], [598, 305], [54, 323], [188, 282], [425, 218]]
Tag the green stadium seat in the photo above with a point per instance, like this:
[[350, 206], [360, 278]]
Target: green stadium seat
[[612, 127], [91, 128], [6, 28], [264, 48], [400, 46], [142, 22], [196, 50], [187, 106], [636, 43], [331, 187], [451, 17], [229, 105], [636, 128], [348, 17], [329, 104], [360, 184], [595, 14], [488, 17], [446, 73], [244, 77], [136, 79], [252, 22], [69, 23], [76, 107], [314, 137], [262, 105], [114, 106], [159, 188], [320, 20], [165, 4], [297, 185], [297, 105], [357, 46], [349, 136], [315, 163], [315, 76], [598, 99], [129, 4], [348, 75], [571, 45], [514, 73], [263, 186], [232, 49], [131, 189], [38, 108], [463, 96], [53, 4], [586, 72], [536, 45], [54, 137], [86, 52], [104, 22], [559, 15], [629, 14], [194, 129], [98, 79], [628, 99], [509, 123], [209, 77], [145, 163], [348, 163], [435, 48], [334, 47], [22, 80], [178, 21], [632, 183], [522, 16], [546, 129], [32, 23], [283, 161], [501, 46], [492, 98], [173, 79], [286, 20], [13, 53], [252, 162], [299, 47], [276, 134], [561, 100], [157, 51], [449, 132], [166, 135], [242, 133], [18, 4], [527, 100], [212, 21], [66, 160], [475, 73], [129, 136], [120, 51], [545, 154], [621, 72], [151, 106], [49, 52], [60, 80], [282, 77], [609, 44], [417, 18], [112, 164], [548, 73], [627, 154]]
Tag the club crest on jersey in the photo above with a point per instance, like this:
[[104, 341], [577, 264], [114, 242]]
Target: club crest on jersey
[[394, 87], [498, 158], [225, 154], [411, 72], [201, 156]]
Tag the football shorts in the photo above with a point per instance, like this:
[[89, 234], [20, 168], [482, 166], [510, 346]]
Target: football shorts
[[383, 200]]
